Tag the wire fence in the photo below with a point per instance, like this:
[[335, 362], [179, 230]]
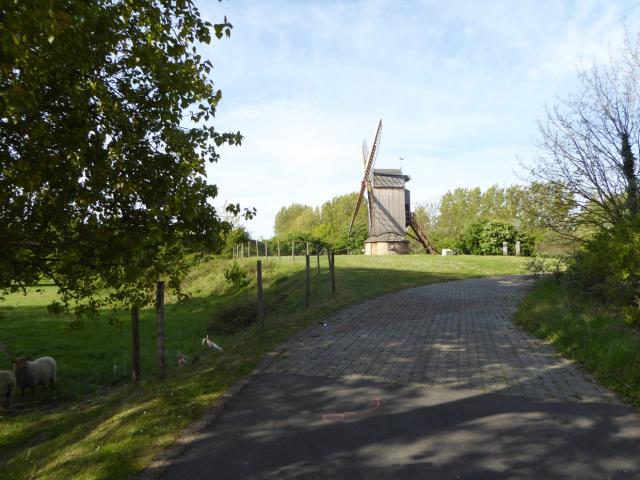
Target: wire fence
[[308, 260], [280, 249]]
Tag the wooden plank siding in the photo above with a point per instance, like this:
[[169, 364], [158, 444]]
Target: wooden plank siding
[[389, 211]]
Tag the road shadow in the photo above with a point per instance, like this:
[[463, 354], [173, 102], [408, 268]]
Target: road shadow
[[293, 426]]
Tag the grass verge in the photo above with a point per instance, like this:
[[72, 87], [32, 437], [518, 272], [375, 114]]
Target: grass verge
[[100, 426], [594, 336]]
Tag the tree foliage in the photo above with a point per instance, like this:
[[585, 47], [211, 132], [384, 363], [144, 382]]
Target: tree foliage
[[236, 236], [487, 237], [333, 225], [295, 218], [528, 209], [328, 225], [105, 111]]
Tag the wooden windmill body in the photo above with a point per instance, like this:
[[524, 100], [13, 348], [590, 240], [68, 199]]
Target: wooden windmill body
[[389, 205]]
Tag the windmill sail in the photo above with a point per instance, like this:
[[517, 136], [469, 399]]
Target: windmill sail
[[369, 158]]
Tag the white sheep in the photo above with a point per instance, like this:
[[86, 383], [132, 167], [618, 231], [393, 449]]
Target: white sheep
[[7, 386], [30, 374]]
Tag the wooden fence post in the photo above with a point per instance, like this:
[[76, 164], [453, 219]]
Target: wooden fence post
[[135, 337], [260, 294], [307, 248], [307, 289], [332, 267], [160, 325], [242, 251], [318, 256]]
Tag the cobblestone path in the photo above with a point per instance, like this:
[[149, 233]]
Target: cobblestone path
[[457, 335]]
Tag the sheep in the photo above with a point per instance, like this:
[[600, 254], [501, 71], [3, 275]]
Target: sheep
[[7, 386], [30, 374]]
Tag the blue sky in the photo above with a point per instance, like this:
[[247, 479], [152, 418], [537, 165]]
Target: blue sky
[[459, 86]]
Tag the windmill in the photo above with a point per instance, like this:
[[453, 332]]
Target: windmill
[[389, 208]]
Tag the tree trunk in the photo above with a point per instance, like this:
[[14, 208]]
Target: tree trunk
[[160, 325], [135, 336], [629, 172]]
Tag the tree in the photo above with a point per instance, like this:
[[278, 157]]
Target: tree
[[590, 142], [328, 225], [105, 112], [458, 208], [486, 238], [333, 227], [427, 214], [294, 219], [238, 235]]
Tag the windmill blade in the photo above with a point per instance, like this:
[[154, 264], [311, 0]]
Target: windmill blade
[[373, 153], [370, 206], [365, 155], [368, 174], [358, 203], [369, 158]]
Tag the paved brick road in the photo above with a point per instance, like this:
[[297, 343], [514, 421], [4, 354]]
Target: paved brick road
[[456, 335], [412, 385]]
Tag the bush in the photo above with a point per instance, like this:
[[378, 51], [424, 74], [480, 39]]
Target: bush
[[237, 276], [233, 318], [536, 265], [486, 238], [631, 314], [469, 240], [608, 266], [540, 264]]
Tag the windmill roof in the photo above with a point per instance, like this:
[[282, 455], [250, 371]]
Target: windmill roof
[[389, 178]]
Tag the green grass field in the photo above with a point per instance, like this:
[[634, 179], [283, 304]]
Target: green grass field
[[99, 425], [593, 335]]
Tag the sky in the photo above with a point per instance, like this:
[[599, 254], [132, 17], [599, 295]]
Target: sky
[[460, 87]]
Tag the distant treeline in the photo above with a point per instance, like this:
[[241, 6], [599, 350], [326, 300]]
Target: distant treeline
[[467, 220], [327, 226], [471, 221]]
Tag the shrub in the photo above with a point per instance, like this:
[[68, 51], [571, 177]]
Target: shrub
[[540, 264], [237, 276], [608, 266], [469, 241], [631, 314], [486, 238], [536, 265]]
